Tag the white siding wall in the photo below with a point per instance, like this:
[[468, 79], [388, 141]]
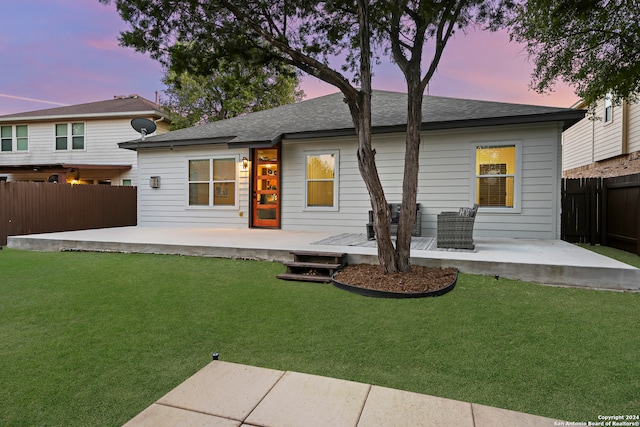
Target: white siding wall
[[447, 172], [634, 127], [353, 198], [607, 136], [445, 183], [589, 141], [169, 205], [577, 145]]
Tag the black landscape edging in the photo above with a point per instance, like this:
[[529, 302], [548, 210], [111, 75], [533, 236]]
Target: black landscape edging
[[375, 293]]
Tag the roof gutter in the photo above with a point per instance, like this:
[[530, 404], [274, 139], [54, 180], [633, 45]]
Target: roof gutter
[[569, 118], [138, 144]]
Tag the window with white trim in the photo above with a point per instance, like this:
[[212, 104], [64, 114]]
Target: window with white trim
[[321, 180], [608, 108], [496, 168], [14, 138], [6, 138], [70, 136], [212, 182]]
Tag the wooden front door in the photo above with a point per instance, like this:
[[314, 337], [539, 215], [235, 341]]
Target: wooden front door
[[266, 187]]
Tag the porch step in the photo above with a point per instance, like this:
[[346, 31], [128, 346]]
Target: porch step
[[297, 264], [304, 277], [310, 266]]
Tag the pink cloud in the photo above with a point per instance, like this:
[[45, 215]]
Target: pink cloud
[[71, 55], [479, 65], [110, 44]]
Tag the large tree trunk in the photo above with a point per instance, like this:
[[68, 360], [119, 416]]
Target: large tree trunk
[[381, 215], [361, 114], [410, 180]]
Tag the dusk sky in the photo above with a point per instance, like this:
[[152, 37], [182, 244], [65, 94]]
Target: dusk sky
[[61, 52]]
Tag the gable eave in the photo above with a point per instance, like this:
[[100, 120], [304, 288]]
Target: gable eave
[[17, 119]]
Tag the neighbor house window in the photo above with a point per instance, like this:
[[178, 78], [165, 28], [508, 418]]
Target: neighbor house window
[[212, 182], [22, 138], [9, 143], [70, 136], [126, 183], [496, 176], [6, 138], [608, 108], [321, 180]]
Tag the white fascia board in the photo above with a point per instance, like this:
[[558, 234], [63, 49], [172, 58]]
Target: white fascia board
[[66, 117]]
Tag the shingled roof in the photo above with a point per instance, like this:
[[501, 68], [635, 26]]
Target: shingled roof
[[119, 106], [329, 116]]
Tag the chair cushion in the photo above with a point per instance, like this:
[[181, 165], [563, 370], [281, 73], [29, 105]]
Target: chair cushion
[[466, 212]]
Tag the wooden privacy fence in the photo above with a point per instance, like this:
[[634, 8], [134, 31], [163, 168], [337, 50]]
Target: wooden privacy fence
[[34, 207], [621, 213], [602, 210], [581, 210]]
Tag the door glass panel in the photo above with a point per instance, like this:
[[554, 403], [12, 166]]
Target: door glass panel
[[267, 214], [270, 155], [266, 188]]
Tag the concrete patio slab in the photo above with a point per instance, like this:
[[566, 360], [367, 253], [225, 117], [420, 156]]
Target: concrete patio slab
[[311, 401], [396, 408], [542, 261], [166, 416], [297, 399], [487, 416], [223, 389]]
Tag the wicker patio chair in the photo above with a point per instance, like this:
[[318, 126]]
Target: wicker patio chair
[[455, 229], [416, 231]]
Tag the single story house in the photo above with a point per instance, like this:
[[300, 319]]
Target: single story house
[[295, 168]]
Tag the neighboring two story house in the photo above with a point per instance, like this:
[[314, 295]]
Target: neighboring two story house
[[604, 145], [76, 143]]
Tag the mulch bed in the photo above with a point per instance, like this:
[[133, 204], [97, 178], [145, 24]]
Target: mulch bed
[[419, 279]]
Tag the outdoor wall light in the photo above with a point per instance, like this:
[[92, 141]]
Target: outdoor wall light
[[154, 182], [245, 163]]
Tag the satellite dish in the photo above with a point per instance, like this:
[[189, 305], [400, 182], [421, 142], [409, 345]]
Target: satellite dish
[[143, 126]]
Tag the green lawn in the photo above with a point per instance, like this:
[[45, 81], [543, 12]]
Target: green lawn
[[94, 338]]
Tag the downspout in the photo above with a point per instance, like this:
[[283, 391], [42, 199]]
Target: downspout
[[625, 128]]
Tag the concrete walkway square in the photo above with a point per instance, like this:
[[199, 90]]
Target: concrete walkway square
[[311, 401], [487, 416], [223, 389], [166, 416], [396, 408], [224, 394]]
